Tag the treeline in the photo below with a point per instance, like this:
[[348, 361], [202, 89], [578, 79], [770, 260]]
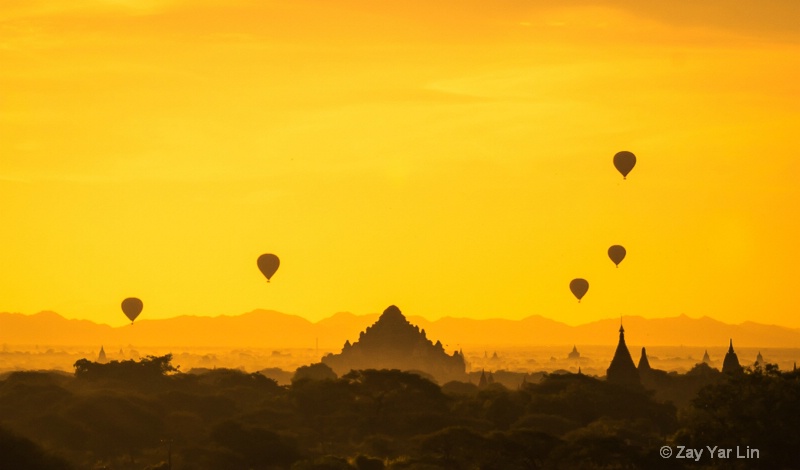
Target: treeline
[[147, 415]]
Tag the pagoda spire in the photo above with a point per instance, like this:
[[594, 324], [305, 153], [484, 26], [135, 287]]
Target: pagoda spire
[[622, 369], [644, 363], [483, 382], [731, 362]]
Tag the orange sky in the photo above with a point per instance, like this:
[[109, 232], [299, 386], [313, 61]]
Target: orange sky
[[453, 159]]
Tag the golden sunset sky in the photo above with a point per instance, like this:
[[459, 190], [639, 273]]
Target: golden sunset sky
[[453, 157]]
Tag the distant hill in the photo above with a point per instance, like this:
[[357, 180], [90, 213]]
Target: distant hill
[[270, 329]]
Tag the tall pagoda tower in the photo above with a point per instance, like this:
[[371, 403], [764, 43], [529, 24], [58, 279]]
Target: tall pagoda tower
[[731, 362], [622, 371], [101, 356]]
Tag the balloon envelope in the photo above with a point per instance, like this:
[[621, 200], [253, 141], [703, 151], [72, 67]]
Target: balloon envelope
[[617, 254], [624, 162], [268, 264], [132, 307], [579, 287]]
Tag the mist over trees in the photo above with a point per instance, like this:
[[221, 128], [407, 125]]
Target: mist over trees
[[148, 415]]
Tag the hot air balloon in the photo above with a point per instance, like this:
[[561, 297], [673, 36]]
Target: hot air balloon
[[624, 162], [579, 287], [132, 307], [617, 254], [268, 264]]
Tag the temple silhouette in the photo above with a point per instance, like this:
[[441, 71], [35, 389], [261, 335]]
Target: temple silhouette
[[101, 356], [759, 360], [706, 358], [394, 343], [644, 363], [622, 371], [731, 362], [574, 355], [485, 380]]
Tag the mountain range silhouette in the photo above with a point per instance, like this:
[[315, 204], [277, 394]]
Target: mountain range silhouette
[[271, 329]]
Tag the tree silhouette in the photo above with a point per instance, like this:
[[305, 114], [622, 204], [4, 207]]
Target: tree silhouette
[[120, 415], [19, 453], [318, 371], [148, 371], [457, 447], [759, 408], [259, 447], [397, 403], [117, 424]]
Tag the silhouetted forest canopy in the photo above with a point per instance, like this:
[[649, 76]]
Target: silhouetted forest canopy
[[148, 415]]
